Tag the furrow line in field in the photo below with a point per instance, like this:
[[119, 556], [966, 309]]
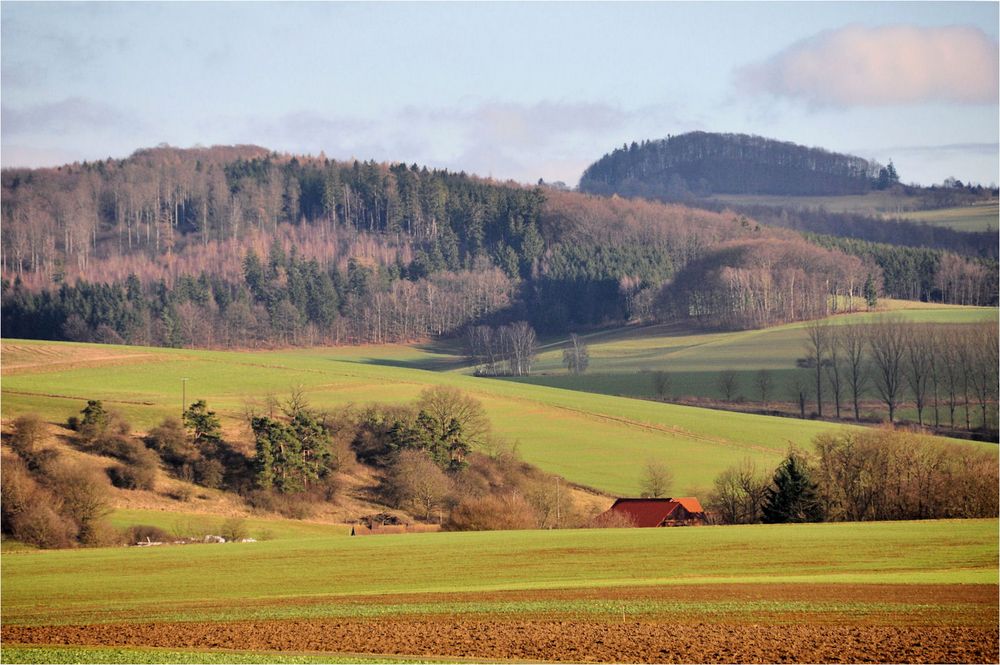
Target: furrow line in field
[[76, 397]]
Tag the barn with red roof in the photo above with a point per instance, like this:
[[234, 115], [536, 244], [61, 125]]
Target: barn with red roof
[[680, 511]]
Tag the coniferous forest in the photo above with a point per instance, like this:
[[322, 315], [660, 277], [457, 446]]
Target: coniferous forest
[[242, 247]]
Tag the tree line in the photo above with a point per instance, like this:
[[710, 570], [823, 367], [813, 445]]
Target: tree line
[[760, 282], [244, 247], [946, 373], [919, 273], [886, 230], [875, 474], [283, 299], [936, 367]]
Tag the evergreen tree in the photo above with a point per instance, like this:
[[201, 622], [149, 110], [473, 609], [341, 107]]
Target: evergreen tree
[[792, 495], [204, 425], [870, 292]]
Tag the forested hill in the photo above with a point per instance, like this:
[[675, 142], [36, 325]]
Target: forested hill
[[240, 246], [701, 163]]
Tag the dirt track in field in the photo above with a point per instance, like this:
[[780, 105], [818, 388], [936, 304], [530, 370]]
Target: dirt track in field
[[575, 641]]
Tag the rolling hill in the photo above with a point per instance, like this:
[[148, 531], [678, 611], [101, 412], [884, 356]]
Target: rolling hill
[[596, 440]]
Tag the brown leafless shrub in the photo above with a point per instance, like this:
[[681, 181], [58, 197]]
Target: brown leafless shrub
[[27, 435], [29, 511], [143, 533], [84, 497], [492, 513], [415, 481]]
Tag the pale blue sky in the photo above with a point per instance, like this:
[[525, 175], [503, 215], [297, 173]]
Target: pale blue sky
[[512, 90]]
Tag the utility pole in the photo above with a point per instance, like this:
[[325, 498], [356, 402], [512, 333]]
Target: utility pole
[[184, 381], [557, 502]]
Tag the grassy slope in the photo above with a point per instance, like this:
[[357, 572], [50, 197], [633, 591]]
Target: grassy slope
[[181, 524], [619, 361], [335, 576], [981, 216], [592, 439]]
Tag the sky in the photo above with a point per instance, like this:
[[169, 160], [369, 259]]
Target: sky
[[510, 90]]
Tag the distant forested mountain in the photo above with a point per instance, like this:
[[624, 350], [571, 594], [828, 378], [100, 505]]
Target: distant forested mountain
[[243, 247], [701, 164]]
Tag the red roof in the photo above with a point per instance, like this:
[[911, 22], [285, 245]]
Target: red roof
[[690, 503], [652, 512]]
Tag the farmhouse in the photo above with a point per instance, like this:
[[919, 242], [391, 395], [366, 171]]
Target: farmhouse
[[682, 511]]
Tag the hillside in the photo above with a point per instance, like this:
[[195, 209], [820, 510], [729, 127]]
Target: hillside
[[624, 361], [595, 440], [701, 163], [238, 247]]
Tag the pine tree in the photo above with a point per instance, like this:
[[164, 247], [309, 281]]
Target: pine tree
[[871, 293], [792, 495]]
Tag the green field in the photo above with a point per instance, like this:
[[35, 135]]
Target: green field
[[980, 216], [559, 422], [182, 524], [590, 439], [621, 361], [334, 577]]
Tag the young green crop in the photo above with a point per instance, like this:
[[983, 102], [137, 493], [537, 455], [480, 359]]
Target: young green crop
[[298, 577]]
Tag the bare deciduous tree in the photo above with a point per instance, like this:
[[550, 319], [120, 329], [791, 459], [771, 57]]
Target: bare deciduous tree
[[852, 340], [764, 383], [738, 494], [661, 383], [919, 357], [415, 481], [656, 480], [887, 342], [728, 384], [446, 403], [576, 356], [818, 338]]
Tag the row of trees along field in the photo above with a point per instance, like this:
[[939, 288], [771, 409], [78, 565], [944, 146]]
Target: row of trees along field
[[242, 247], [939, 369], [702, 163], [874, 474], [946, 373]]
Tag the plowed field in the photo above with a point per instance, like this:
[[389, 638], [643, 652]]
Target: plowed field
[[702, 623], [588, 641]]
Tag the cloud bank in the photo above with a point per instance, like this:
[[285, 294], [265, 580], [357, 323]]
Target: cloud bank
[[67, 116], [861, 66]]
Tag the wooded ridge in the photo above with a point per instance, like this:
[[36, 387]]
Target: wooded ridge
[[239, 246]]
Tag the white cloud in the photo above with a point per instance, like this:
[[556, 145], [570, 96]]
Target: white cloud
[[901, 64]]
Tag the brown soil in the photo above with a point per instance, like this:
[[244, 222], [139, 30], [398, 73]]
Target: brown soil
[[577, 641]]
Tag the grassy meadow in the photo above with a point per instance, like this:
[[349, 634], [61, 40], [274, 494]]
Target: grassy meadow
[[622, 361], [334, 576], [576, 426], [595, 440], [980, 216], [311, 571]]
